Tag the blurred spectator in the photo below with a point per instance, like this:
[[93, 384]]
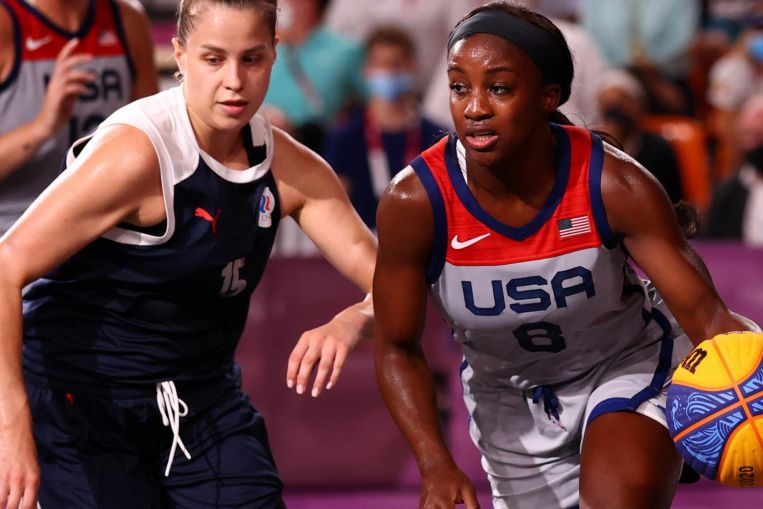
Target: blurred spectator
[[733, 79], [621, 102], [652, 38], [428, 21], [580, 108], [731, 15], [316, 75], [55, 89], [380, 140], [736, 211]]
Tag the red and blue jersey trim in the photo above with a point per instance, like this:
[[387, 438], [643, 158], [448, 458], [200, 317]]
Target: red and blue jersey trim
[[17, 47], [576, 193], [102, 17]]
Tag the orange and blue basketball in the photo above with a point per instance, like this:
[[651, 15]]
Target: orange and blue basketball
[[715, 409]]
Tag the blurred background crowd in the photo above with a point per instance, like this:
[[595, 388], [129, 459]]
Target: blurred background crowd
[[363, 82], [678, 82]]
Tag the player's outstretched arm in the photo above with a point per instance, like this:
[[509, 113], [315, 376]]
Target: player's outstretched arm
[[115, 179], [638, 210], [312, 194], [405, 227]]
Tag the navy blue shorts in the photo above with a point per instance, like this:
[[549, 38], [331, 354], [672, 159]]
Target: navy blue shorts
[[102, 452]]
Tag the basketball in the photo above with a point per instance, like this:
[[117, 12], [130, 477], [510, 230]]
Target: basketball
[[715, 409]]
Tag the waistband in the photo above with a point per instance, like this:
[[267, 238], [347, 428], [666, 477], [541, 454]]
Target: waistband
[[200, 390]]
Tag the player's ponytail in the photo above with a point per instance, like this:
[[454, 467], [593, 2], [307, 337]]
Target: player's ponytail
[[688, 218]]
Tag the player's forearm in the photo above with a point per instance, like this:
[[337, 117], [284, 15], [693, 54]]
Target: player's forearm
[[361, 317], [18, 145], [359, 253], [11, 377], [408, 390]]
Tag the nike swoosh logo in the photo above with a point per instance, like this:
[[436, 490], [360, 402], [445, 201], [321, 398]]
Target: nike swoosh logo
[[457, 244], [35, 44]]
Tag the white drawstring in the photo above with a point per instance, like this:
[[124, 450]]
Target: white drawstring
[[170, 408]]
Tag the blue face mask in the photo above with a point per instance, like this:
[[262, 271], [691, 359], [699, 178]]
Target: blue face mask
[[755, 47], [389, 86]]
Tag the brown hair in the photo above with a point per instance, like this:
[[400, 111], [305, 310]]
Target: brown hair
[[563, 74], [391, 35], [188, 9]]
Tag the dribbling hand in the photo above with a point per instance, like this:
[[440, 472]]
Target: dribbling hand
[[444, 488]]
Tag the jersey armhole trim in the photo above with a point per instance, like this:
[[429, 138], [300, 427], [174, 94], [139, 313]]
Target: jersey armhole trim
[[17, 49], [134, 237], [81, 32], [595, 171], [439, 241]]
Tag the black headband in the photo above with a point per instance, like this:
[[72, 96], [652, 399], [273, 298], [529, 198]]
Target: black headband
[[536, 42]]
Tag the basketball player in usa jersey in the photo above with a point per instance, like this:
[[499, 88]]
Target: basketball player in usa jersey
[[522, 228], [147, 249], [65, 65]]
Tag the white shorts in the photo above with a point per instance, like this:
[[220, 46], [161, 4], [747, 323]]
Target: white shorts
[[533, 461]]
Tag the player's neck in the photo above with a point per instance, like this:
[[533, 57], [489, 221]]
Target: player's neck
[[66, 14], [527, 173], [224, 146]]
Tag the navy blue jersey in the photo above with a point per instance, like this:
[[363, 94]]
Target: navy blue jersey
[[134, 308]]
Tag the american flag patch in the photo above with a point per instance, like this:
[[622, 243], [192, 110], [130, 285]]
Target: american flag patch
[[572, 226]]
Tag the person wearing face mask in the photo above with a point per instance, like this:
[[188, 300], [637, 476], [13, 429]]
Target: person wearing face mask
[[317, 75], [621, 101], [733, 79], [736, 211], [389, 132]]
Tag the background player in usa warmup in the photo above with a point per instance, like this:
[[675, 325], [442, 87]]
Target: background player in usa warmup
[[64, 67], [522, 230], [147, 249]]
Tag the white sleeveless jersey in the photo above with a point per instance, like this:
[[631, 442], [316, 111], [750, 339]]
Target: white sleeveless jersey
[[163, 117], [37, 43], [170, 301], [543, 303]]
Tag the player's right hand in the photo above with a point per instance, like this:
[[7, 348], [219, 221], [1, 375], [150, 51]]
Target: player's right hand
[[67, 82], [445, 487], [19, 472]]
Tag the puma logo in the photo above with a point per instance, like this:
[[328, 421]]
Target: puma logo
[[200, 212]]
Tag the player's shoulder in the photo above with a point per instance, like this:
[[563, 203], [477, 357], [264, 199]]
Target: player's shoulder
[[631, 194], [133, 14], [121, 142], [289, 153], [405, 195], [405, 219], [299, 169], [621, 173], [130, 7]]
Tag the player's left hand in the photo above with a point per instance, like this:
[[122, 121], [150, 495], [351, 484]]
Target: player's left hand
[[327, 347]]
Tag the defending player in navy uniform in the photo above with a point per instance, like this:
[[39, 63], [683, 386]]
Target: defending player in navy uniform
[[522, 229], [147, 249], [64, 67]]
